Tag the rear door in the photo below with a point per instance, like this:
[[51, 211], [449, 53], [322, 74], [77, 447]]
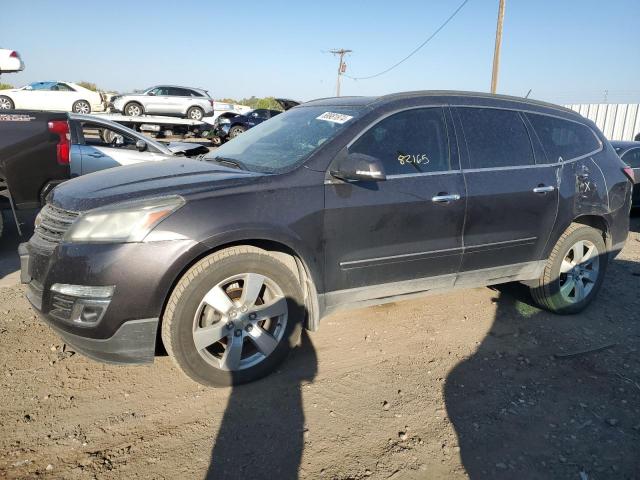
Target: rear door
[[512, 198], [398, 229]]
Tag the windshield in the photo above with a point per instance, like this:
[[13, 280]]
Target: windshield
[[286, 139]]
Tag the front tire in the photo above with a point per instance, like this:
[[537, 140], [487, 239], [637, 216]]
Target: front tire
[[6, 103], [236, 130], [233, 317], [81, 106], [133, 109], [574, 271], [195, 113]]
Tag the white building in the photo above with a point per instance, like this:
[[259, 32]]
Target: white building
[[618, 121]]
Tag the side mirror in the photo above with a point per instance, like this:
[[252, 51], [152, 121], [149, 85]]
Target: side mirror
[[151, 94], [28, 87], [141, 145], [358, 167]]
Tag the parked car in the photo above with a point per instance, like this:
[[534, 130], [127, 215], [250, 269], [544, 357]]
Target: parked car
[[10, 61], [187, 102], [63, 146], [336, 203], [230, 125], [52, 96], [630, 154], [98, 144]]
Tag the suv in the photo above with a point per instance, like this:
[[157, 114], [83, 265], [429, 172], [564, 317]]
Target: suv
[[337, 202], [191, 103]]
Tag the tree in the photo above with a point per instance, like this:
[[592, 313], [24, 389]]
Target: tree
[[88, 85], [5, 86]]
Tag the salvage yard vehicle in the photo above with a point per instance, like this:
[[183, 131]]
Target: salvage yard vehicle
[[52, 96], [228, 126], [630, 154], [98, 144], [186, 102], [336, 203], [62, 146], [10, 61]]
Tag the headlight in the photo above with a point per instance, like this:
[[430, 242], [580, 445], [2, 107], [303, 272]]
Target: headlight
[[125, 222]]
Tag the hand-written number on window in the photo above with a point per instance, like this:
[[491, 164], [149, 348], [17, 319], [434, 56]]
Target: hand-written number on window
[[414, 159]]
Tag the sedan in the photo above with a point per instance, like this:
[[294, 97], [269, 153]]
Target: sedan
[[98, 144], [52, 96], [630, 154]]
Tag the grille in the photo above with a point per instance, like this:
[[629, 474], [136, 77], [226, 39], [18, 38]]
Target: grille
[[61, 306], [53, 224]]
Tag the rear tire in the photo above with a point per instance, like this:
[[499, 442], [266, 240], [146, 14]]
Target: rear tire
[[574, 271], [233, 317], [81, 106], [133, 109], [236, 130], [6, 103], [195, 113]]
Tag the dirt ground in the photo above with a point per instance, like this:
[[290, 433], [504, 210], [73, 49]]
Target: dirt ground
[[475, 383]]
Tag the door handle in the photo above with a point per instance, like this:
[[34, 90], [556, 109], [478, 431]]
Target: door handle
[[544, 189], [445, 198]]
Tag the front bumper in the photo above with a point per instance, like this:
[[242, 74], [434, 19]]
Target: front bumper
[[141, 275]]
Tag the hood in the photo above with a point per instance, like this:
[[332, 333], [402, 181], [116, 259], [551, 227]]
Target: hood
[[146, 180], [286, 104], [187, 148]]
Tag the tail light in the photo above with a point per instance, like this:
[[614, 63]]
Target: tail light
[[61, 128], [211, 102], [628, 171], [14, 54]]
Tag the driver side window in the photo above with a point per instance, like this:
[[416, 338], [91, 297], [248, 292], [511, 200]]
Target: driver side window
[[97, 135], [408, 142]]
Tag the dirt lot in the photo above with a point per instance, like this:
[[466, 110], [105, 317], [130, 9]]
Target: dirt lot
[[475, 383]]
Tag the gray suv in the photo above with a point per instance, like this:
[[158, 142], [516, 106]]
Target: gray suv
[[186, 102]]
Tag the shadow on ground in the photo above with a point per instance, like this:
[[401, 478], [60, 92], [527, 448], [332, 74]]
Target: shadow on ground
[[9, 260], [262, 432], [540, 380]]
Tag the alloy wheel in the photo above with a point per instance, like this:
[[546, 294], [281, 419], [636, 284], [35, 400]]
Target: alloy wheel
[[196, 114], [579, 271], [82, 107], [134, 111], [240, 321], [5, 104]]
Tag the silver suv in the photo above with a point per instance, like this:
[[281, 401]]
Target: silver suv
[[191, 103]]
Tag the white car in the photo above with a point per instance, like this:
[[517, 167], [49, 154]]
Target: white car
[[10, 61], [98, 144], [53, 96]]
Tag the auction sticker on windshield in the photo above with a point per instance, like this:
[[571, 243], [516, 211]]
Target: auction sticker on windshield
[[334, 117]]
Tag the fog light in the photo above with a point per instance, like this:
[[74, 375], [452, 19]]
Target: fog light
[[80, 305]]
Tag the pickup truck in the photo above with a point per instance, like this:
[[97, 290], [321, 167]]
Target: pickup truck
[[34, 157], [39, 150]]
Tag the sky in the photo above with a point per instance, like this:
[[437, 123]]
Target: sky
[[565, 51]]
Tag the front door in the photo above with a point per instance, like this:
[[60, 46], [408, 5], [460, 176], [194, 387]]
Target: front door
[[512, 200], [407, 227]]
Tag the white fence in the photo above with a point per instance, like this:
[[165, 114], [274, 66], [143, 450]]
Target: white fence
[[618, 121]]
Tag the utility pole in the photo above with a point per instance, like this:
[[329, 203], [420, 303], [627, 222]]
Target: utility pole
[[341, 66], [496, 51]]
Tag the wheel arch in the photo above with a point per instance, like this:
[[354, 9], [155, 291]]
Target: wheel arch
[[289, 255], [599, 223]]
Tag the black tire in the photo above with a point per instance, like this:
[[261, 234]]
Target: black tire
[[546, 293], [81, 106], [195, 113], [6, 103], [133, 109], [236, 130], [179, 319]]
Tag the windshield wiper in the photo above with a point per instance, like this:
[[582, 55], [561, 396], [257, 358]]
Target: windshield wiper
[[230, 162]]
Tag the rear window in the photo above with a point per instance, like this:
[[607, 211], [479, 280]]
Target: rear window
[[563, 139], [496, 138]]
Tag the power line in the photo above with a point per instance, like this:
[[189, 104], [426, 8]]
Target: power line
[[416, 49]]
